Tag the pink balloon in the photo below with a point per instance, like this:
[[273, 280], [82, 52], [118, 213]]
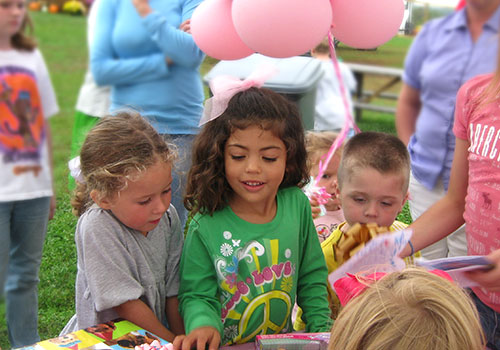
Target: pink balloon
[[366, 24], [213, 31], [282, 28]]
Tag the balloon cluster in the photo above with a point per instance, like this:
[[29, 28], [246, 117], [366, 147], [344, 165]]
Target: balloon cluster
[[233, 29]]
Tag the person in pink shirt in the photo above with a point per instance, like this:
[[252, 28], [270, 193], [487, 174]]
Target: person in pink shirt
[[473, 195]]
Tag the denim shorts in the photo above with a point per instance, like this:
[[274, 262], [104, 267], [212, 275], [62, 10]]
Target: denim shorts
[[490, 322]]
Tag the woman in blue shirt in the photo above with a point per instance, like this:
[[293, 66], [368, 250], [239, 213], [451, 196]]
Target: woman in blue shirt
[[446, 53]]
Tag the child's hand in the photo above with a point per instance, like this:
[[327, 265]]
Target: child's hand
[[333, 203], [489, 279], [201, 337], [315, 209], [53, 205]]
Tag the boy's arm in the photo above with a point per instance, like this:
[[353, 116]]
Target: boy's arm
[[137, 312], [447, 214], [173, 316]]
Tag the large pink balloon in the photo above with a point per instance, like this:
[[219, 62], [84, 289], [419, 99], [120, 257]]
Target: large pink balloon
[[366, 24], [282, 28], [213, 31]]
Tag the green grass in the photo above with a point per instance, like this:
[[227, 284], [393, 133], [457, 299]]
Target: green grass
[[62, 41]]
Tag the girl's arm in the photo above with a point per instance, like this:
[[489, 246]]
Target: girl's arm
[[312, 279], [137, 312], [199, 305], [50, 108], [51, 163], [106, 67], [201, 338], [446, 215], [173, 316], [176, 43], [490, 279]]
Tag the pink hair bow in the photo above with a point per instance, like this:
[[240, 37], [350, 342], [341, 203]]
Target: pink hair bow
[[351, 286], [224, 87]]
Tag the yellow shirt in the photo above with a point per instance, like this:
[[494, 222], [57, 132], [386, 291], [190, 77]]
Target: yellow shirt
[[332, 265]]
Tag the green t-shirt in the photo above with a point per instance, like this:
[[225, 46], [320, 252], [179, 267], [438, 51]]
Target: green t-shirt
[[243, 278]]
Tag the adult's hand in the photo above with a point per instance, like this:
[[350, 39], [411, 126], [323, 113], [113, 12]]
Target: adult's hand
[[186, 26], [142, 6]]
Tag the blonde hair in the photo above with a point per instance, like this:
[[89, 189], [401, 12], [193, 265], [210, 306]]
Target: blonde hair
[[317, 144], [118, 149], [411, 309]]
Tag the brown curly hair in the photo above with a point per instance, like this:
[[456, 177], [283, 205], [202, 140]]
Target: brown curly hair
[[116, 150], [207, 189]]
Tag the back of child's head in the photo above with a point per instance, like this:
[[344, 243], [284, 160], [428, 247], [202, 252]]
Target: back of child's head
[[380, 151], [411, 309], [21, 40], [207, 189], [117, 150], [323, 48], [318, 143]]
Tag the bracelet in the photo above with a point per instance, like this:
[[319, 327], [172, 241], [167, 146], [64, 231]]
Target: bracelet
[[411, 246]]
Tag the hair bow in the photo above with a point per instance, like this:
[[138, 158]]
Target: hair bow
[[351, 286], [224, 87], [75, 171]]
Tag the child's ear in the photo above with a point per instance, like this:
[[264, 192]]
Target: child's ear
[[101, 201], [406, 197], [337, 190]]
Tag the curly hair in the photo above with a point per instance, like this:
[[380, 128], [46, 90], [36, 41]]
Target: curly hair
[[116, 150], [410, 309], [207, 189]]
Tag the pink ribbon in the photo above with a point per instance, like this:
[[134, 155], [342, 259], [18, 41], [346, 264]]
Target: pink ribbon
[[351, 286], [349, 120], [224, 87]]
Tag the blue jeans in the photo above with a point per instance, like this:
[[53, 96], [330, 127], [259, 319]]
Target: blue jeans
[[23, 227], [490, 322], [184, 144]]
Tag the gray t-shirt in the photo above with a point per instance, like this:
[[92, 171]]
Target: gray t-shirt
[[117, 264]]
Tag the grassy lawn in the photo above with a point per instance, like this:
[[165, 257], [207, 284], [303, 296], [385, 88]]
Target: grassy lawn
[[62, 41]]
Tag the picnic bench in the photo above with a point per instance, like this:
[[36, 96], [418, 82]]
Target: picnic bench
[[363, 99]]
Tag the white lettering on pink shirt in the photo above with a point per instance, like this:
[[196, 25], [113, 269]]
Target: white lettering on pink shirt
[[479, 145]]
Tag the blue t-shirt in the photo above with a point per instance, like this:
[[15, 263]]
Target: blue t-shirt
[[442, 58]]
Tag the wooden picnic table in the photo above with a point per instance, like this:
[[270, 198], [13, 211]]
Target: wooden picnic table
[[363, 98]]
